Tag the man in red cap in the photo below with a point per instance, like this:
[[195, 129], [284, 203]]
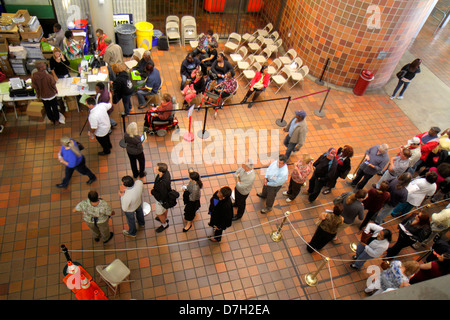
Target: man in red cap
[[325, 168]]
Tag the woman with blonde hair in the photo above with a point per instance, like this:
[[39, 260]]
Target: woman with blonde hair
[[122, 87], [135, 150], [70, 156], [59, 64], [302, 169]]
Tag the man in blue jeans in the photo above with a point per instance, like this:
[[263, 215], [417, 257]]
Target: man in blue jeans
[[131, 202]]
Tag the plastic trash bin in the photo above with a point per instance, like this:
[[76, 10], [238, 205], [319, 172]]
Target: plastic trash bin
[[144, 30], [126, 34], [363, 82]]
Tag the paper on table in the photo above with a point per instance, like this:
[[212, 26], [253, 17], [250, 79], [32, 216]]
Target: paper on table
[[84, 97]]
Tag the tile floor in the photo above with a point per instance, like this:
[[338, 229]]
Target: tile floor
[[36, 217]]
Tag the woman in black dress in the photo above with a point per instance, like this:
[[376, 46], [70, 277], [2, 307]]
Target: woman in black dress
[[191, 198], [221, 211], [327, 229]]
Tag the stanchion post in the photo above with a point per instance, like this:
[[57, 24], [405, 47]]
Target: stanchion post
[[122, 142], [352, 175], [320, 113], [204, 134], [281, 122], [276, 235], [311, 278], [320, 81]]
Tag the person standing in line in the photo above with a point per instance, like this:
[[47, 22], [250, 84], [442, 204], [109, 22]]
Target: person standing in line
[[397, 165], [245, 177], [130, 193], [160, 191], [70, 156], [122, 87], [135, 150], [297, 129], [96, 214], [376, 158], [113, 52], [302, 169], [376, 199], [407, 73], [325, 168], [45, 86], [258, 85], [100, 124], [429, 140], [343, 157], [398, 194], [191, 198], [221, 212], [329, 222], [352, 208], [276, 175], [377, 245], [414, 146]]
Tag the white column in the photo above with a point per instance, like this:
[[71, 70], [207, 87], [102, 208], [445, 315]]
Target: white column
[[102, 17]]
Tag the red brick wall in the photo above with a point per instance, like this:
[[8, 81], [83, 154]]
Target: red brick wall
[[321, 29]]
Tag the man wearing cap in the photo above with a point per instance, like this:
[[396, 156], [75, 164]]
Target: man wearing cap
[[113, 52], [296, 129], [324, 168], [414, 146], [428, 141], [376, 158]]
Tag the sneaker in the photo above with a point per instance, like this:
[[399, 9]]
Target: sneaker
[[61, 186], [266, 210], [259, 194], [126, 233], [250, 105], [353, 266], [392, 97], [400, 97], [288, 200], [285, 193], [110, 237]]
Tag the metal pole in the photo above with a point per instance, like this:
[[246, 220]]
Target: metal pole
[[204, 134], [320, 113], [281, 122], [276, 235], [320, 81], [311, 278], [122, 142]]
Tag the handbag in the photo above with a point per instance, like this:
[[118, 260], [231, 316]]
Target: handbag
[[80, 146], [366, 238], [401, 74]]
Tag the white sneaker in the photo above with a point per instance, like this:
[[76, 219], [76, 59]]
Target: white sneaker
[[285, 193], [400, 97], [288, 200], [1, 128], [392, 97]]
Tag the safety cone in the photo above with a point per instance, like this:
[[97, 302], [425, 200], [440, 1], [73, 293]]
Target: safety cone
[[85, 283]]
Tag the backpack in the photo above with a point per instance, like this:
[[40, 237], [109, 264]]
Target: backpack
[[163, 43], [172, 199], [340, 199]]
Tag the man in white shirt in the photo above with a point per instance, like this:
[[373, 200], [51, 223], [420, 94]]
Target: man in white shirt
[[131, 202], [100, 124], [276, 175], [418, 189], [245, 177]]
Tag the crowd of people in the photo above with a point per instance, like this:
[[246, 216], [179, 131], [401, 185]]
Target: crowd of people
[[420, 170]]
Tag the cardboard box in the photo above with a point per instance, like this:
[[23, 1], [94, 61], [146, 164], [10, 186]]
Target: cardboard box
[[13, 35], [22, 17], [4, 46], [32, 36], [72, 103], [5, 66], [35, 109]]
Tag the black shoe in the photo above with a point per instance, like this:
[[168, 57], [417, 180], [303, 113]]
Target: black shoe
[[235, 218], [141, 107], [96, 239], [250, 105], [161, 228], [186, 230], [259, 194], [91, 180], [61, 186], [101, 153], [110, 237], [353, 266], [143, 174]]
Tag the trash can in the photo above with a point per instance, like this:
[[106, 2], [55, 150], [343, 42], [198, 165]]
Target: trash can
[[156, 35], [363, 82], [144, 30], [126, 34]]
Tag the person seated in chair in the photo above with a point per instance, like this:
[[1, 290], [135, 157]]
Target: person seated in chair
[[188, 66], [159, 113], [196, 87], [258, 85], [142, 64], [150, 86], [219, 68], [203, 43], [211, 57], [228, 86]]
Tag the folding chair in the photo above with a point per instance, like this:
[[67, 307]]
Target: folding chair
[[264, 56], [299, 75], [233, 42], [275, 46], [265, 31], [256, 45], [290, 55], [173, 31], [275, 66], [281, 77], [239, 55], [114, 274], [194, 43], [250, 73], [245, 64]]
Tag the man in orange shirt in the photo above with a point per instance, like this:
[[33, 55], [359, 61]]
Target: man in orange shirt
[[101, 45]]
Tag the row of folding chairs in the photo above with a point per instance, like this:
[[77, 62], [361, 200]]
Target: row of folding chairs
[[186, 31]]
